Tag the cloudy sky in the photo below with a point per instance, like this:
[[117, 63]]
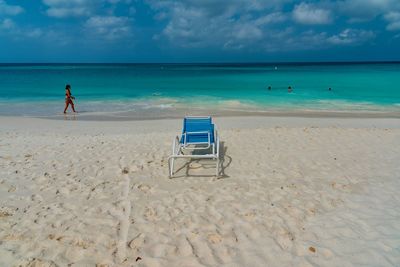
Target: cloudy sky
[[198, 30]]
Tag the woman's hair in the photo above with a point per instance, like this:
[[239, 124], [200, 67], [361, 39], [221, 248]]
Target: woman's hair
[[68, 86]]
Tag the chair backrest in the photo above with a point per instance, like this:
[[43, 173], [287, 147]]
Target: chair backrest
[[198, 124]]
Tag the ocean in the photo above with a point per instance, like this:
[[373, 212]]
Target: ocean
[[152, 90]]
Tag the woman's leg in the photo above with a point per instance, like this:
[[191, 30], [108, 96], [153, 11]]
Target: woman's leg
[[72, 106], [66, 106]]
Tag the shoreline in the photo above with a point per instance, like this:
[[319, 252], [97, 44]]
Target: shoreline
[[180, 113], [173, 125], [169, 108]]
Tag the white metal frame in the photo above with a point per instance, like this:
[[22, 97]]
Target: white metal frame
[[179, 149]]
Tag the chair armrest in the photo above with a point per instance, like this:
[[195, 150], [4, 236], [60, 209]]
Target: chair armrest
[[174, 145]]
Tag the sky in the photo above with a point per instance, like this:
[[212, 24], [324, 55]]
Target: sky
[[199, 30]]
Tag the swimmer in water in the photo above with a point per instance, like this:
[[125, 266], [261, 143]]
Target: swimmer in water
[[289, 89]]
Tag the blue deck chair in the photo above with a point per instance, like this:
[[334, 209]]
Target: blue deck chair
[[199, 134]]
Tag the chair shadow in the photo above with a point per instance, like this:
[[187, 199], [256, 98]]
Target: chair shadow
[[224, 162]]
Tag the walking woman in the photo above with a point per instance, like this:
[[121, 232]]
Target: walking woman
[[68, 98]]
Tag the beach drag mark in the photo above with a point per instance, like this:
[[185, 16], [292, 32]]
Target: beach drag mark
[[123, 215]]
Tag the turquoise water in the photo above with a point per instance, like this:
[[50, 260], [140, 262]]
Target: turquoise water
[[39, 89]]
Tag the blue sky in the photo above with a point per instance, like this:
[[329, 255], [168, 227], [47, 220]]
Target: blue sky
[[198, 30]]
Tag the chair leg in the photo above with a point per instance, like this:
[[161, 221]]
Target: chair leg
[[217, 168], [171, 167]]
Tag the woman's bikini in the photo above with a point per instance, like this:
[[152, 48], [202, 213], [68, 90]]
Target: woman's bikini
[[68, 97]]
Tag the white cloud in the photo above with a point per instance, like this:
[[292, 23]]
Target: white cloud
[[394, 26], [289, 40], [392, 16], [119, 1], [95, 27], [214, 8], [364, 10], [276, 17], [247, 31], [351, 37], [82, 8], [109, 27], [7, 24], [70, 8], [10, 28], [394, 21], [251, 25], [367, 10], [230, 24], [9, 10], [63, 12], [131, 11], [309, 14], [35, 33]]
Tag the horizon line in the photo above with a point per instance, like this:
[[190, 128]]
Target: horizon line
[[213, 62]]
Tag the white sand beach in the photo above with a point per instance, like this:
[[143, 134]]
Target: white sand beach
[[293, 192]]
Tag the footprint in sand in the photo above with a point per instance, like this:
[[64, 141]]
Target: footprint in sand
[[185, 248], [12, 188], [250, 215], [37, 262], [63, 191], [137, 242], [285, 240], [79, 242], [150, 214], [135, 168], [214, 238], [37, 197], [73, 254], [144, 188], [56, 224], [6, 212], [40, 179]]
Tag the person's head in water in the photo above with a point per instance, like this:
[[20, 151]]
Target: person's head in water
[[289, 89], [330, 89], [269, 87]]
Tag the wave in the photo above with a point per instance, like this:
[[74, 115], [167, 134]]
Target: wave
[[170, 105]]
